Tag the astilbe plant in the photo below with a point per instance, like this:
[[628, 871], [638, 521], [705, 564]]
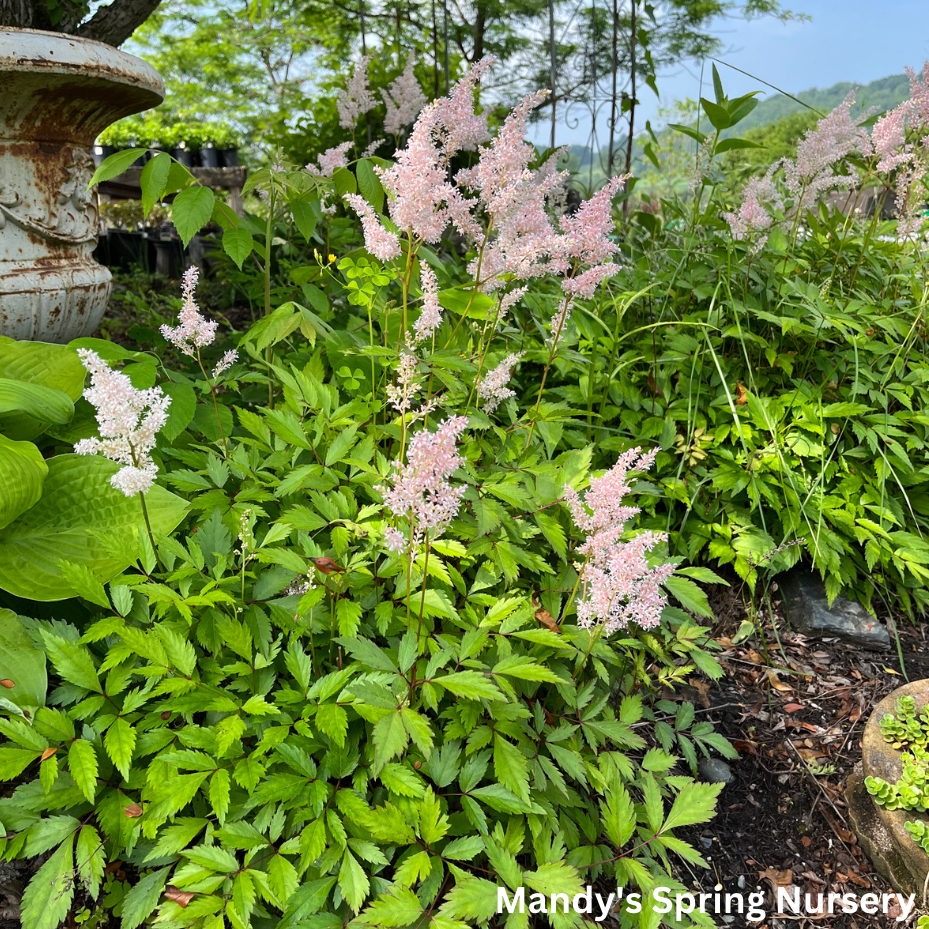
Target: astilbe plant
[[355, 686]]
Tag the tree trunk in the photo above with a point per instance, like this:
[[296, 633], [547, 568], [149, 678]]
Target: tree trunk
[[115, 23], [16, 13], [553, 64], [480, 25]]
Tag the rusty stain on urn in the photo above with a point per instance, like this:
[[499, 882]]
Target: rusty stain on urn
[[59, 93]]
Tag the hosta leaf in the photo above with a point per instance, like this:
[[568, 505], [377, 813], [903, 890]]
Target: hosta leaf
[[53, 366], [20, 661], [42, 403], [22, 473], [82, 519]]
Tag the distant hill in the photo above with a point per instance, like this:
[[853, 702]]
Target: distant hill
[[882, 94]]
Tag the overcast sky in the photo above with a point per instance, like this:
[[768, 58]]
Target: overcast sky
[[845, 40]]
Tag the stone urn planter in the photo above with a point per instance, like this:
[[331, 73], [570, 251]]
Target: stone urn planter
[[881, 832], [59, 93]]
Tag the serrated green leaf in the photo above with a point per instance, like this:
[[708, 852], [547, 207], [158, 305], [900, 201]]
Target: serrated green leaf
[[119, 742], [141, 899], [48, 897], [82, 763]]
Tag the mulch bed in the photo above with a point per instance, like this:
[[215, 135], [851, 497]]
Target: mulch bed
[[796, 712]]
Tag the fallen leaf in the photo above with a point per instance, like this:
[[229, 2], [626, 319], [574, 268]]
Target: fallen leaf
[[48, 753], [859, 880], [777, 683], [180, 897], [778, 878], [547, 620], [793, 707], [6, 682], [133, 811], [327, 565]]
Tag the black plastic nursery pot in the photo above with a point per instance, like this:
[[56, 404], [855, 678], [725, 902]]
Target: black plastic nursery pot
[[209, 157], [229, 157], [185, 156]]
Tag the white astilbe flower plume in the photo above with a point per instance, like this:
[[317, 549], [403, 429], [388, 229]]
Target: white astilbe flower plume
[[356, 98], [128, 420], [403, 100], [431, 317], [193, 331], [493, 388], [618, 586]]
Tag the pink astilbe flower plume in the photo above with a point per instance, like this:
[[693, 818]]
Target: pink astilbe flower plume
[[193, 331], [403, 99], [355, 99], [919, 93], [419, 490], [379, 241], [459, 127], [618, 586], [493, 389], [329, 160], [821, 150], [587, 232], [754, 219], [431, 317], [128, 420]]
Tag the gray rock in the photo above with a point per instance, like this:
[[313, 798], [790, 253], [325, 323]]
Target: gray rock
[[715, 771], [808, 610]]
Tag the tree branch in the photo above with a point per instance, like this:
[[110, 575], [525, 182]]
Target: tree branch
[[116, 22]]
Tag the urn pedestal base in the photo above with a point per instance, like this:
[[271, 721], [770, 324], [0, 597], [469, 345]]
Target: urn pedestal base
[[59, 93]]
